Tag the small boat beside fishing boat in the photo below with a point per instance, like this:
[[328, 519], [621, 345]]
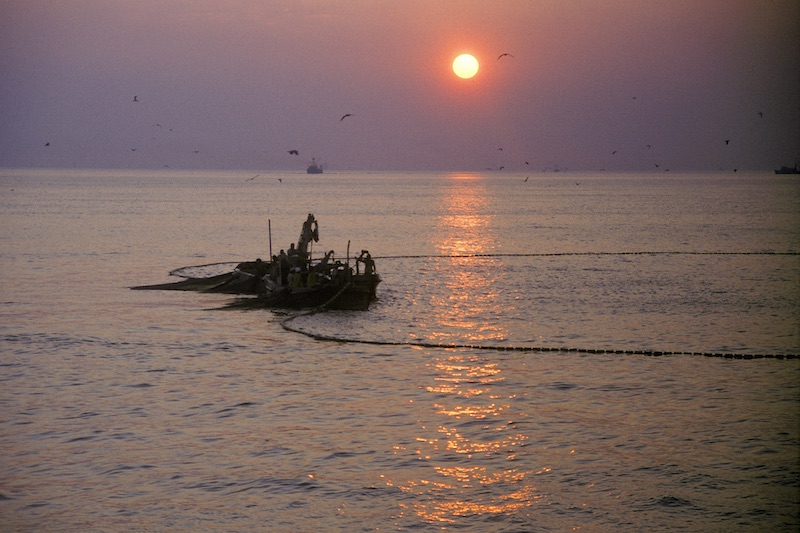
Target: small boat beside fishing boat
[[293, 280]]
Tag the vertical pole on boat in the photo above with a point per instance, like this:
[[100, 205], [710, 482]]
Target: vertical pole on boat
[[348, 253], [269, 229]]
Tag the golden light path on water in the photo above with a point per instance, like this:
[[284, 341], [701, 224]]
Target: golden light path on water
[[469, 305], [472, 417]]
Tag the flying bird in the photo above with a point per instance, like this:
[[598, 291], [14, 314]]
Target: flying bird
[[614, 152], [294, 152], [345, 116], [47, 144], [254, 177], [135, 98], [503, 55], [727, 141], [760, 114]]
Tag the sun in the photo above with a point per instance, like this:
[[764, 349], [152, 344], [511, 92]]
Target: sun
[[465, 66]]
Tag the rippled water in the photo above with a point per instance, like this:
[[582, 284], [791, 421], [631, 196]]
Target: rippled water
[[132, 410]]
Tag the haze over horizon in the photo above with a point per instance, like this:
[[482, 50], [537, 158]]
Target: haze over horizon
[[621, 85]]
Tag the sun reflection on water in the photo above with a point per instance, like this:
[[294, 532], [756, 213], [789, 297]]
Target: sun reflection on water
[[467, 449], [469, 309], [471, 455]]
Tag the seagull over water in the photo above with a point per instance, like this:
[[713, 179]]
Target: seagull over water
[[345, 116], [503, 55]]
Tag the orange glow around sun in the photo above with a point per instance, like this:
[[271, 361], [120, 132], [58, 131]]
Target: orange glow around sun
[[465, 66]]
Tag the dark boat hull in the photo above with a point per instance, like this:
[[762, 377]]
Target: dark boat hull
[[354, 295]]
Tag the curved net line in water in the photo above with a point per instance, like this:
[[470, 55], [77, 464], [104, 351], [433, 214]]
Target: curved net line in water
[[536, 349], [544, 349], [207, 270], [212, 269], [567, 254]]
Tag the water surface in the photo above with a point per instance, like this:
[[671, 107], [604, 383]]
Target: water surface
[[147, 410]]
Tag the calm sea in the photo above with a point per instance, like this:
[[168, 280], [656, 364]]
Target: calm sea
[[506, 380]]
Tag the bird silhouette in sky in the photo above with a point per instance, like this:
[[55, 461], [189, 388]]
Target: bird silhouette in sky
[[614, 152], [135, 98], [504, 55], [254, 177], [760, 114], [47, 144], [294, 152], [345, 116], [727, 141]]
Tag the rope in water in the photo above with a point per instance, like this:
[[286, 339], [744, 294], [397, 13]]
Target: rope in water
[[538, 349], [566, 254], [181, 272]]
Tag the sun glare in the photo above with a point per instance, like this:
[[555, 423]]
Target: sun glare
[[465, 66]]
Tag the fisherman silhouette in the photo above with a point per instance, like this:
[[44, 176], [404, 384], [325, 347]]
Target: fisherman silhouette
[[310, 231]]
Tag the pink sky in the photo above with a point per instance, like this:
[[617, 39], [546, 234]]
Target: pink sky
[[237, 84]]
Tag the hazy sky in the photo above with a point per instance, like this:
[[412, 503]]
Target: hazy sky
[[236, 84]]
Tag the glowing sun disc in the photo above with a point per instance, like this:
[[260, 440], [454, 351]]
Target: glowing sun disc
[[465, 66]]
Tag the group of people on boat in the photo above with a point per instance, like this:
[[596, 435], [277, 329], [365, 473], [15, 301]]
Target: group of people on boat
[[295, 269], [293, 279]]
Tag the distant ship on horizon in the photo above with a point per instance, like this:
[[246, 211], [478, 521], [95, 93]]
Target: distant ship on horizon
[[788, 170], [314, 167]]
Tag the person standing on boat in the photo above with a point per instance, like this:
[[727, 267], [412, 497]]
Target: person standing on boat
[[283, 264], [369, 263], [309, 232]]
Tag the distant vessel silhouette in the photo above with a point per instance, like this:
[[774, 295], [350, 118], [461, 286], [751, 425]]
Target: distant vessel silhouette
[[788, 170], [314, 167]]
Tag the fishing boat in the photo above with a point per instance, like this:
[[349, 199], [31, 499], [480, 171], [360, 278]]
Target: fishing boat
[[788, 170], [293, 280], [314, 167]]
